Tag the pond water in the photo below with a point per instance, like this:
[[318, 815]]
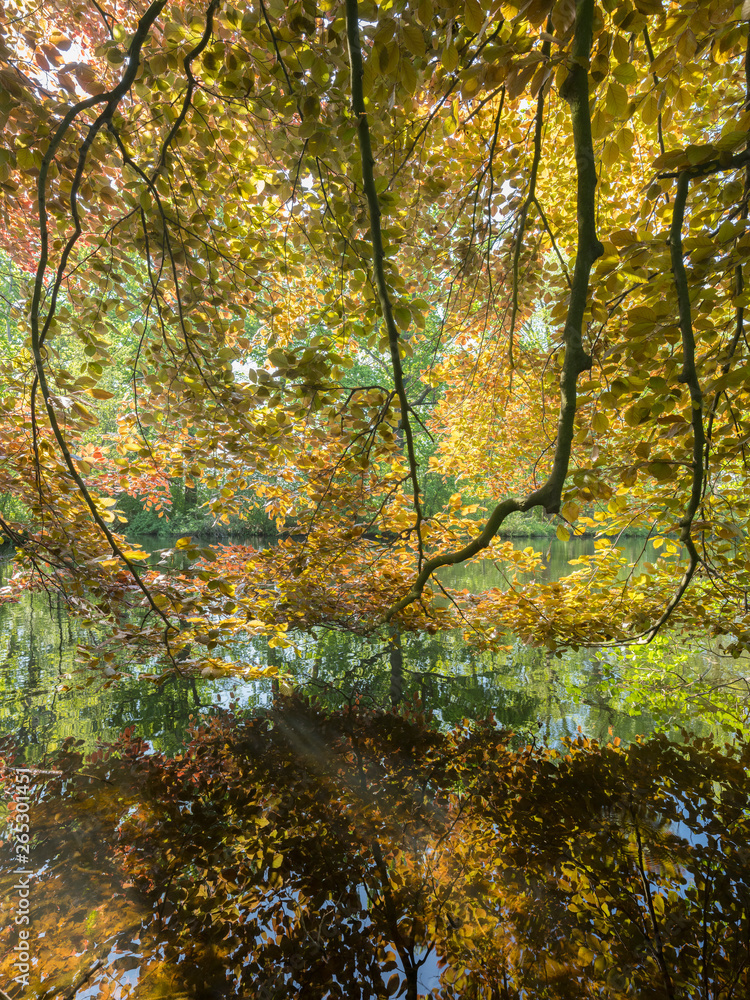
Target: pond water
[[47, 696], [306, 851]]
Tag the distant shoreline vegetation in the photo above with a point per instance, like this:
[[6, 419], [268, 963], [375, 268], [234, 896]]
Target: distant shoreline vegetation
[[258, 524]]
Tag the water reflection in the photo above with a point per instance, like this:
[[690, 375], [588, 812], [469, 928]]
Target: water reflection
[[46, 695], [302, 853], [371, 842]]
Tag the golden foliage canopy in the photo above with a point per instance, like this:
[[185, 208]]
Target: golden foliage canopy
[[352, 247]]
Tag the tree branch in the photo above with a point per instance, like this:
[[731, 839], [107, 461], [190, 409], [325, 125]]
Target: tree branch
[[650, 51], [38, 331], [529, 200], [378, 254], [689, 376], [576, 92]]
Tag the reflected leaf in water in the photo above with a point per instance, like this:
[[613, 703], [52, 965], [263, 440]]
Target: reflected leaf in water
[[47, 694], [678, 680], [311, 852]]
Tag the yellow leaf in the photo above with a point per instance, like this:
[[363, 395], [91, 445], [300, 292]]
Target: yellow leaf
[[424, 12], [617, 100], [408, 76], [660, 470], [570, 512], [625, 73], [59, 40], [728, 230], [85, 414], [414, 39], [450, 57], [664, 62], [650, 110], [473, 15], [611, 154], [394, 55], [625, 140], [562, 533], [600, 423]]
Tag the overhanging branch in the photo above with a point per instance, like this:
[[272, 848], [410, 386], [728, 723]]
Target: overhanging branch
[[378, 254], [529, 200], [689, 376], [576, 92], [38, 329]]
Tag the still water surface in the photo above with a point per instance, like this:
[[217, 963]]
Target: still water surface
[[299, 860], [46, 695]]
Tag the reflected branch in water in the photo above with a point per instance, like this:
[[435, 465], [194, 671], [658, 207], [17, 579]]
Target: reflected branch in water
[[307, 848]]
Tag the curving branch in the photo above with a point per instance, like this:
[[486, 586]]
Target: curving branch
[[39, 330], [688, 376], [575, 91], [378, 254], [187, 64], [651, 56], [111, 101], [106, 18]]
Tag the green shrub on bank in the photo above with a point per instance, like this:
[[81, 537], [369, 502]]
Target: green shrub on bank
[[186, 517]]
